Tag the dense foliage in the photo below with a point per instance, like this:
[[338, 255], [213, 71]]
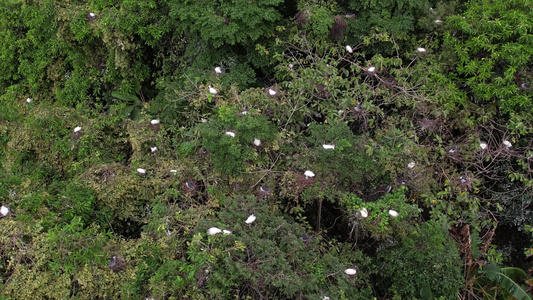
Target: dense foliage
[[391, 139]]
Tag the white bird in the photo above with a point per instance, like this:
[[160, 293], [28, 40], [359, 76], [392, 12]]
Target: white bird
[[326, 298], [226, 232], [28, 100], [291, 65], [4, 210], [250, 219], [244, 113], [153, 149], [483, 145], [438, 21], [507, 144], [92, 15], [77, 129], [190, 185], [173, 171], [364, 212], [371, 69], [218, 70], [212, 90], [420, 49], [350, 272], [411, 165], [213, 231], [154, 122], [349, 49], [232, 134], [264, 189], [328, 146], [393, 213], [309, 174], [141, 171], [272, 92], [257, 142]]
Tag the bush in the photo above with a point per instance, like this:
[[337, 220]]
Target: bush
[[427, 260]]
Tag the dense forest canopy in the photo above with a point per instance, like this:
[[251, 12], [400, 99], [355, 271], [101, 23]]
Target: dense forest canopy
[[178, 149]]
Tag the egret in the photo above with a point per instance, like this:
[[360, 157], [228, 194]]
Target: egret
[[213, 231], [190, 185], [438, 21], [92, 15], [411, 165], [141, 171], [218, 70], [452, 149], [328, 146], [153, 149], [507, 144], [393, 213], [349, 49], [306, 239], [420, 49], [257, 142], [154, 124], [77, 129], [226, 232], [28, 100], [232, 134], [250, 219], [350, 15], [309, 174], [272, 92], [483, 145], [363, 212], [4, 210], [350, 272], [112, 261], [212, 90], [173, 171], [371, 69]]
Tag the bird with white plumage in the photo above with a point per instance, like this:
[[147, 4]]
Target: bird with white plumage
[[349, 49], [213, 231], [250, 219]]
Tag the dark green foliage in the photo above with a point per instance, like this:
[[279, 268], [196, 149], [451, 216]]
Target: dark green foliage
[[346, 163], [231, 22], [268, 258], [230, 155], [492, 45], [442, 137], [427, 258], [507, 279]]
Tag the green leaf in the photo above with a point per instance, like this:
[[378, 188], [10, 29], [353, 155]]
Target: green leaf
[[125, 96], [506, 278], [425, 293]]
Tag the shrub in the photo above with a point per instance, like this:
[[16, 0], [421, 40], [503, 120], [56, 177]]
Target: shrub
[[425, 260]]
